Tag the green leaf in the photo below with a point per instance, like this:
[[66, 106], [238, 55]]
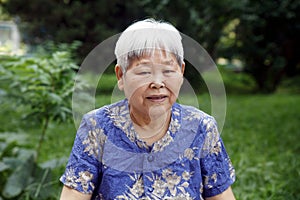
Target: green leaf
[[19, 138], [19, 179], [3, 146], [55, 98], [54, 163], [45, 79], [42, 185], [12, 162], [3, 166]]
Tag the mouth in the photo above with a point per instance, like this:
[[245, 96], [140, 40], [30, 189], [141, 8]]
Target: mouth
[[157, 98]]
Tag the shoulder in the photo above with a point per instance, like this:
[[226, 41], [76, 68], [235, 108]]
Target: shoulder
[[104, 113], [190, 113], [197, 121]]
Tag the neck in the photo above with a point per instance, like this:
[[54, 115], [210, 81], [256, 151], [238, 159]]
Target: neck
[[151, 126]]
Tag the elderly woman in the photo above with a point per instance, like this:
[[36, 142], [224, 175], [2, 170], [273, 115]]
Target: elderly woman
[[147, 146]]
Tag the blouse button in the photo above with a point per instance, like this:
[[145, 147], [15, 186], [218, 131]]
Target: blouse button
[[150, 158]]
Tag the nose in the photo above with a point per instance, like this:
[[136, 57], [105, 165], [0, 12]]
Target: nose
[[157, 81], [157, 85]]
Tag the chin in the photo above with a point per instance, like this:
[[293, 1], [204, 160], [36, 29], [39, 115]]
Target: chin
[[159, 110]]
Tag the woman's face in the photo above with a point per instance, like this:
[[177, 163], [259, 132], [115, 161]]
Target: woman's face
[[151, 83]]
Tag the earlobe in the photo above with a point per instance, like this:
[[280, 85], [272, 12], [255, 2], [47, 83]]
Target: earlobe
[[119, 75], [182, 67], [118, 71], [182, 72]]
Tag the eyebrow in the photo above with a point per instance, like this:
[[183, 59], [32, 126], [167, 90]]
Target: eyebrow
[[169, 61], [166, 62], [143, 61]]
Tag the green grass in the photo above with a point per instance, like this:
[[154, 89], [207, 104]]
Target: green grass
[[261, 136]]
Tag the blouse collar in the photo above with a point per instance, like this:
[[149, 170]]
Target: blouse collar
[[119, 113]]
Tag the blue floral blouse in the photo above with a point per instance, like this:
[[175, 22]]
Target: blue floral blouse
[[110, 161]]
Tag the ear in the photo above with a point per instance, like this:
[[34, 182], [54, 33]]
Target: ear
[[182, 67], [119, 75], [182, 72]]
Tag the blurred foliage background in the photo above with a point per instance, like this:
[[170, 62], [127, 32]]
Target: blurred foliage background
[[254, 43], [263, 34]]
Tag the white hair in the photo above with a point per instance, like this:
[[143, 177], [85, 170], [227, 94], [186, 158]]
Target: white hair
[[144, 37]]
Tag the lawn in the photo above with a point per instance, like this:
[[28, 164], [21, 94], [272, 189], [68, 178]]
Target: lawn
[[261, 135]]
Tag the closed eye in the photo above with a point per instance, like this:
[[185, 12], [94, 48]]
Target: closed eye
[[143, 73], [169, 71]]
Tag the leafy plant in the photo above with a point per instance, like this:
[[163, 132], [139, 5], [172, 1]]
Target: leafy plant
[[20, 175], [43, 83]]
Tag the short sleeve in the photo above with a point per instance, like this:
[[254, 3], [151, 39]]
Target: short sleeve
[[82, 170], [216, 168]]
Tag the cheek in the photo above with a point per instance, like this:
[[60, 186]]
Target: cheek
[[174, 86], [131, 85], [135, 91], [136, 99]]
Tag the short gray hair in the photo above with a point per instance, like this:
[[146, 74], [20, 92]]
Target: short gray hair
[[144, 37]]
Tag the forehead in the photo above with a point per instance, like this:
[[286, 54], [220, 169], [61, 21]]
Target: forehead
[[156, 56]]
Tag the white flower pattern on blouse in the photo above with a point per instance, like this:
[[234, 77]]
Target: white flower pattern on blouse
[[167, 183], [84, 179]]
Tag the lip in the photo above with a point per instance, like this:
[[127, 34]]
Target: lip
[[157, 98]]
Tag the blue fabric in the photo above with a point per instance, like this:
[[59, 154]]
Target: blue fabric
[[109, 161]]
